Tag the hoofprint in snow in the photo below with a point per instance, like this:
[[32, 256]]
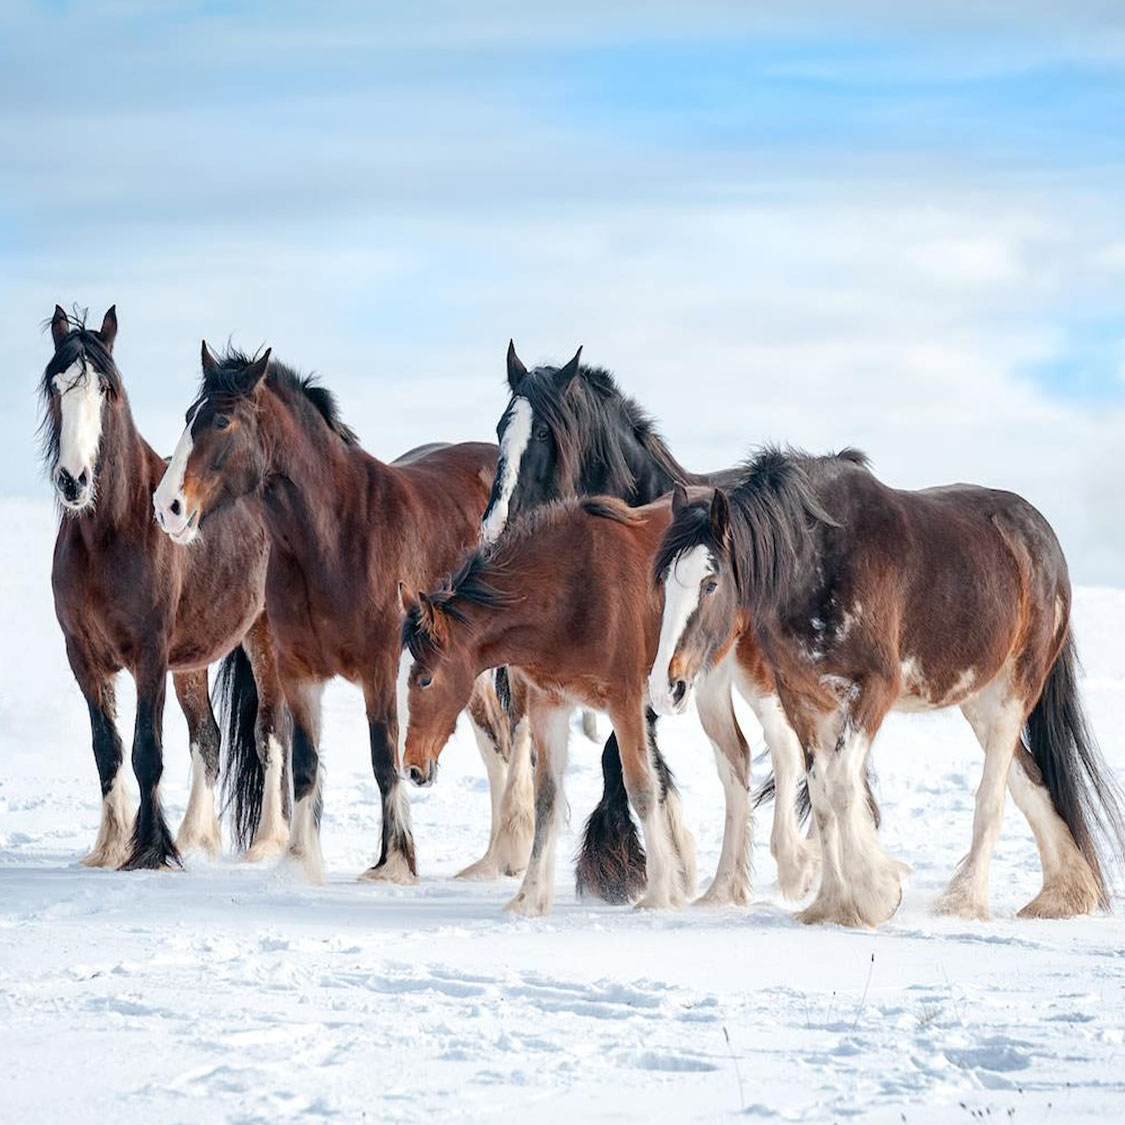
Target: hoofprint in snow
[[232, 991]]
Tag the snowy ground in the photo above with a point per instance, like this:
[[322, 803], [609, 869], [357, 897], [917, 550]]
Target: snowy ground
[[229, 992]]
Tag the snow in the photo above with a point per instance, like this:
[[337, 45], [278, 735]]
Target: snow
[[235, 992]]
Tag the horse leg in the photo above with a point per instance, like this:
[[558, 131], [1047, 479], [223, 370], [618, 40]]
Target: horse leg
[[997, 718], [509, 785], [796, 855], [681, 839], [303, 698], [153, 846], [270, 738], [396, 858], [1069, 886], [200, 827], [549, 723], [111, 847], [860, 884], [731, 885]]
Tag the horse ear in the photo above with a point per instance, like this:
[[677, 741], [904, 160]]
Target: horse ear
[[720, 516], [60, 326], [406, 600], [256, 371], [208, 360], [108, 332], [564, 375], [679, 498], [516, 370]]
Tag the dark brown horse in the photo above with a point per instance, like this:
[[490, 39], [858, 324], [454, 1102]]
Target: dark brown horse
[[345, 529], [564, 598], [126, 598], [866, 598]]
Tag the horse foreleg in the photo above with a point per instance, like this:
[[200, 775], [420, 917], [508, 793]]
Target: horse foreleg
[[731, 885], [396, 859], [303, 698], [200, 827], [153, 846], [271, 737], [550, 728]]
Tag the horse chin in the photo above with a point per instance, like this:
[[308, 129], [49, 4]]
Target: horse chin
[[186, 533]]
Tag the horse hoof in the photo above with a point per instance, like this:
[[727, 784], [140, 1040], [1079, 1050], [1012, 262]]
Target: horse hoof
[[481, 871], [268, 848], [1061, 902], [394, 869], [527, 905]]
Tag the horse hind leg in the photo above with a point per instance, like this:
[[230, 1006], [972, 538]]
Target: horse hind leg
[[683, 842], [271, 740], [308, 802], [199, 830]]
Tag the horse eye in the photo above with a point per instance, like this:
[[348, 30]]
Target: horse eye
[[542, 433], [425, 681], [710, 586], [221, 421]]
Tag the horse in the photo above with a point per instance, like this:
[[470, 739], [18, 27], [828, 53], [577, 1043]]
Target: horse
[[126, 598], [570, 431], [344, 529], [867, 598], [564, 597]]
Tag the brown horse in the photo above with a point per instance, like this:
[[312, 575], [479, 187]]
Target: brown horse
[[564, 597], [344, 530], [126, 598], [867, 598]]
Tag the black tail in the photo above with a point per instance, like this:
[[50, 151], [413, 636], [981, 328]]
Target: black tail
[[1082, 787], [244, 773], [611, 860], [766, 793]]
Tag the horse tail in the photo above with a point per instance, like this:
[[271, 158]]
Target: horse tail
[[1081, 785], [611, 860], [244, 775]]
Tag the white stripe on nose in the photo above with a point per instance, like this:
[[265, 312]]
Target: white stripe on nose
[[168, 499], [682, 584], [513, 445]]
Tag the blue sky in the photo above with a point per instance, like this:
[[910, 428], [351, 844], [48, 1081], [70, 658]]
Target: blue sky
[[842, 224]]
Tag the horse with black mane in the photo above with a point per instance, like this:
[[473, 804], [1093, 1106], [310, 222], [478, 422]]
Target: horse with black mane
[[344, 529], [867, 598], [127, 598], [570, 431]]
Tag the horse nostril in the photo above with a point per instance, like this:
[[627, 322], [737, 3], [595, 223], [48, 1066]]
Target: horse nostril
[[82, 478], [679, 690], [416, 775], [175, 506]]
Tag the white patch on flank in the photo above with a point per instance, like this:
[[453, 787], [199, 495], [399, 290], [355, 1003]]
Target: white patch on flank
[[681, 597], [171, 488], [512, 448], [80, 403]]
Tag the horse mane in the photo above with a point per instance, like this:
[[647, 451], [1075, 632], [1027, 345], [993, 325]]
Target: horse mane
[[228, 379], [572, 418], [775, 511], [79, 343]]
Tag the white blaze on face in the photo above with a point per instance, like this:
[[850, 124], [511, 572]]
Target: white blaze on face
[[80, 403], [682, 585], [513, 445], [171, 486]]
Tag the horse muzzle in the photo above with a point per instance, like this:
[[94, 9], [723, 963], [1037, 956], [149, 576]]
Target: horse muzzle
[[74, 492]]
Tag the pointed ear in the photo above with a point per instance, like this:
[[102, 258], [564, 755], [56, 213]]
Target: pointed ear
[[207, 359], [60, 326], [516, 370], [406, 600], [565, 374], [108, 331], [720, 516], [256, 372], [679, 499]]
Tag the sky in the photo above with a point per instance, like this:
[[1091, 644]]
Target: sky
[[842, 225]]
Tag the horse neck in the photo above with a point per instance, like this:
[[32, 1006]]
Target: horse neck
[[125, 475], [652, 476]]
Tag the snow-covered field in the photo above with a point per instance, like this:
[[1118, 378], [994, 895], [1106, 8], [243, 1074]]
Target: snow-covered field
[[229, 992]]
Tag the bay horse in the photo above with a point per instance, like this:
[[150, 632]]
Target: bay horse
[[867, 598], [570, 431], [564, 598], [127, 598], [344, 529]]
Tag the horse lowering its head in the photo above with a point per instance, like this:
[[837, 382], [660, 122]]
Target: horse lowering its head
[[570, 431], [722, 559], [437, 632], [78, 383], [221, 455]]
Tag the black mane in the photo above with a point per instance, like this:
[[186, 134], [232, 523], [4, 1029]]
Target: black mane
[[774, 512], [79, 343], [573, 418], [229, 380]]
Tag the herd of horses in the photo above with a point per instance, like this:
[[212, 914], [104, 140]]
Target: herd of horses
[[575, 564]]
